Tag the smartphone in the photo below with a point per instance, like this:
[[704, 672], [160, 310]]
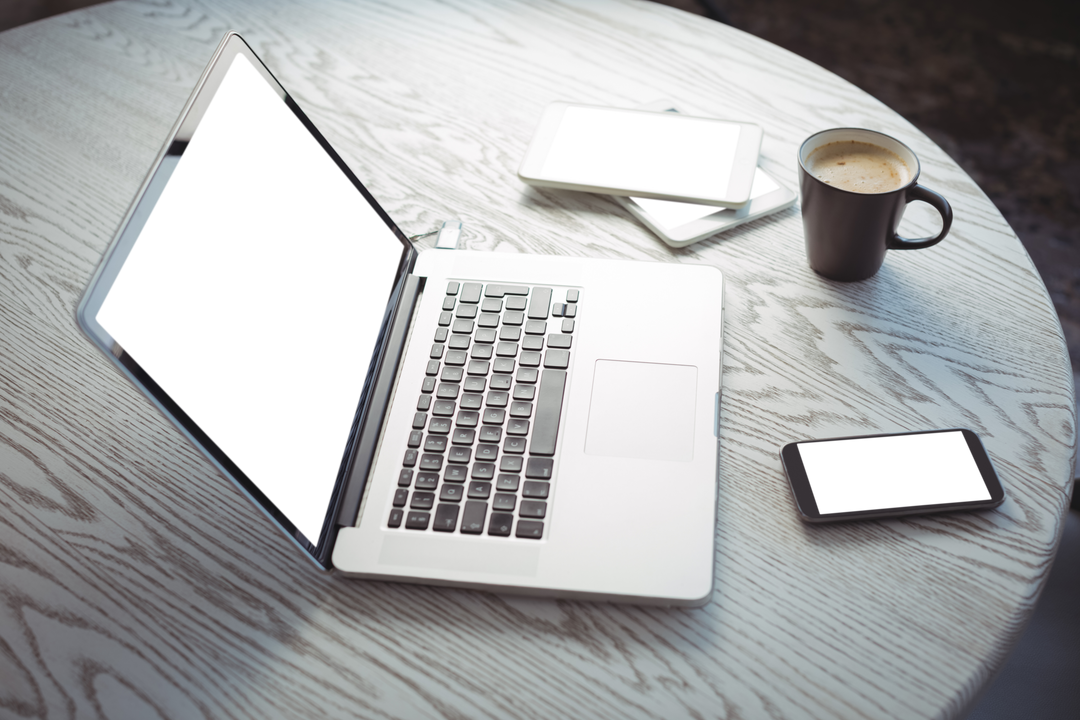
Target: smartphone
[[680, 224], [666, 156], [874, 476]]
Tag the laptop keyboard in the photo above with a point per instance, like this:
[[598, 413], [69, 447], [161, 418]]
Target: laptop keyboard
[[481, 451]]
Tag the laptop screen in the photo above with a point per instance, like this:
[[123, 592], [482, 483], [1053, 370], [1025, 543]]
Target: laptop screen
[[255, 292]]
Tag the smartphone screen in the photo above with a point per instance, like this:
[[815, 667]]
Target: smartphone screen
[[673, 153], [895, 474]]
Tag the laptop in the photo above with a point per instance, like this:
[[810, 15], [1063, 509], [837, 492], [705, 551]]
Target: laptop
[[511, 423]]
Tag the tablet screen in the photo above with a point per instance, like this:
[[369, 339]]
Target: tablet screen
[[654, 152]]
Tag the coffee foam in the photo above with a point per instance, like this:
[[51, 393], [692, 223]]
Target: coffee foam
[[858, 167]]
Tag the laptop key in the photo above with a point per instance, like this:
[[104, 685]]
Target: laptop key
[[511, 463], [513, 318], [422, 501], [480, 352], [491, 305], [488, 320], [472, 401], [481, 490], [548, 409], [568, 326], [456, 473], [445, 318], [432, 368], [488, 453], [451, 493], [508, 483], [463, 326], [499, 291], [515, 445], [500, 524], [483, 471], [470, 292], [459, 342], [498, 398], [452, 374], [521, 409], [395, 518], [417, 520], [505, 349], [503, 365], [524, 392], [419, 420], [435, 443], [472, 519], [501, 382], [533, 529], [538, 305], [533, 342], [468, 418], [410, 458], [534, 489], [528, 375], [504, 502], [510, 334], [490, 434], [465, 311], [423, 403], [571, 311], [445, 518], [479, 367], [401, 496], [539, 468], [415, 438], [571, 296], [558, 310], [516, 303], [431, 463], [516, 426], [530, 358], [451, 288], [428, 386], [444, 408], [536, 327], [559, 359], [448, 303], [404, 478], [427, 481], [436, 351], [485, 335], [556, 340], [457, 358], [439, 426], [463, 436], [447, 391], [494, 416], [535, 509], [459, 454], [440, 334]]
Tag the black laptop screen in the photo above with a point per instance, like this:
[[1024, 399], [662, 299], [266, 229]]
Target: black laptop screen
[[255, 292]]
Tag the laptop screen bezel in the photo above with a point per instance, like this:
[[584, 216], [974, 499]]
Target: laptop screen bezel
[[320, 549]]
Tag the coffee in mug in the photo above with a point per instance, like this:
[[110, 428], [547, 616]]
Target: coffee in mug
[[859, 167], [855, 185]]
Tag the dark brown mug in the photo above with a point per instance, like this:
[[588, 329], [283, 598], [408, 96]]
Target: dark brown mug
[[848, 232]]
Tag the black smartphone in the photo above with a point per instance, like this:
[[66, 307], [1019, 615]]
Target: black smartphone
[[874, 476]]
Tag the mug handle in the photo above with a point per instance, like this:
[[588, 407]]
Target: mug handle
[[918, 192]]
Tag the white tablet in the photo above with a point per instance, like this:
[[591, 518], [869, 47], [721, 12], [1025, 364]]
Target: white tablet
[[665, 156], [679, 224]]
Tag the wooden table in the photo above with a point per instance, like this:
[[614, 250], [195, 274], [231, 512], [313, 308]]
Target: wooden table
[[136, 582]]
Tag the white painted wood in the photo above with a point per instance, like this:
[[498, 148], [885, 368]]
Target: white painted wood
[[135, 582]]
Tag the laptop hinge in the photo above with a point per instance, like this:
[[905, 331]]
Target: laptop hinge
[[368, 437]]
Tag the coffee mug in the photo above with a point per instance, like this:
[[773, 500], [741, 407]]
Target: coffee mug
[[855, 185]]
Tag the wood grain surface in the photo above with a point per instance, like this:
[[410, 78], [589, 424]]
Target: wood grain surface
[[137, 583]]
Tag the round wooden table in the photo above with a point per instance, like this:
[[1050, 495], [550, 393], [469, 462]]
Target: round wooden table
[[136, 582]]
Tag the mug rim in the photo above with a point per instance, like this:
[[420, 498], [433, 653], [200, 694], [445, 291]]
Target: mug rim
[[906, 186]]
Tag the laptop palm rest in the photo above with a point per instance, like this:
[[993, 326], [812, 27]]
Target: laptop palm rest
[[448, 553]]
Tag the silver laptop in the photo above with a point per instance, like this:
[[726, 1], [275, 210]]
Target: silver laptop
[[532, 424]]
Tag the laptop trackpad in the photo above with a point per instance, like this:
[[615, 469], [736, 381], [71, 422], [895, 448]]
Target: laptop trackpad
[[642, 410]]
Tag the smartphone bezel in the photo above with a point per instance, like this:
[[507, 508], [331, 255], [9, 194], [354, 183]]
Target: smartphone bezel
[[806, 505]]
